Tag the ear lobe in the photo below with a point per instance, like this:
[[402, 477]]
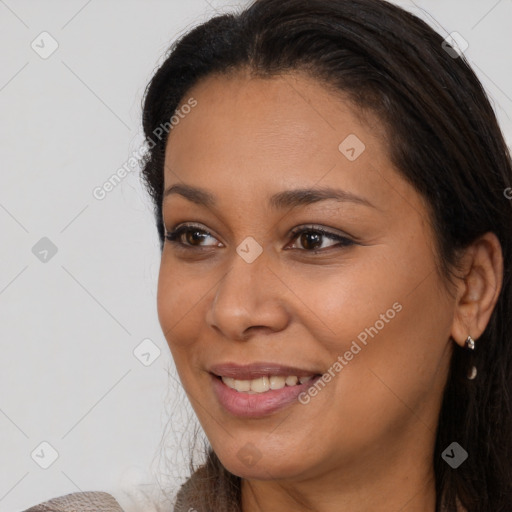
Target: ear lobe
[[478, 288]]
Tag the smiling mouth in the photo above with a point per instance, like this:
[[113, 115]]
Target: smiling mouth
[[266, 383]]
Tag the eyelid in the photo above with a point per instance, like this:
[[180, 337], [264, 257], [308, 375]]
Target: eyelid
[[318, 228], [342, 239], [186, 225], [181, 228]]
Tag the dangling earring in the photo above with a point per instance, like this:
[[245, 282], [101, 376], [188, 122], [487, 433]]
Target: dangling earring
[[470, 345]]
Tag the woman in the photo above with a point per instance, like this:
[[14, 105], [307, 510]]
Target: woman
[[335, 283]]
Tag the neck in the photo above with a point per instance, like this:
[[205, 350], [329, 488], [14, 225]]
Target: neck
[[398, 483]]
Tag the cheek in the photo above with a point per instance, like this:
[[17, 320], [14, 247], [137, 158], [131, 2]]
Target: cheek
[[389, 318], [180, 299], [350, 302]]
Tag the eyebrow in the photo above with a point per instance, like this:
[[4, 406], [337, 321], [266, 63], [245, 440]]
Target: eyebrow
[[281, 200]]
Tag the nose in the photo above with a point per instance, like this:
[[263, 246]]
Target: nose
[[249, 299]]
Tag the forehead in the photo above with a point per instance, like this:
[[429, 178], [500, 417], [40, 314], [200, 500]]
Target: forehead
[[293, 106], [248, 135]]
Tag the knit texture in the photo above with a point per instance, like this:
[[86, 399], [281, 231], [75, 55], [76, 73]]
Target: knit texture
[[79, 502]]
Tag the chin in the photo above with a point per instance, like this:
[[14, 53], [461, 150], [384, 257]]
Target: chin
[[252, 465]]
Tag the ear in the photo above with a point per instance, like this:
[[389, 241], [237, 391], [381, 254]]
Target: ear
[[478, 289]]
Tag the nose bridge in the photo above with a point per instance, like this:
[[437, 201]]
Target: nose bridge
[[244, 297]]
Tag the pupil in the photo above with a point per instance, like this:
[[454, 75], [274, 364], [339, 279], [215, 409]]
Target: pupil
[[313, 237], [194, 235]]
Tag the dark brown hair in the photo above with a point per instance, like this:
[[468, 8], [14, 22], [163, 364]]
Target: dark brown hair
[[446, 143]]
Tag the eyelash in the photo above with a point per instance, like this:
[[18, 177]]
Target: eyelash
[[174, 237]]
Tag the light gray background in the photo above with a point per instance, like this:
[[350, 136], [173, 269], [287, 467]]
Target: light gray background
[[69, 326]]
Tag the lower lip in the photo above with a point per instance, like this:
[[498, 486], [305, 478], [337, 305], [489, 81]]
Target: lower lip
[[247, 405]]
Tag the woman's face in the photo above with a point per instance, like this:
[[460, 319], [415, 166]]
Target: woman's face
[[367, 311]]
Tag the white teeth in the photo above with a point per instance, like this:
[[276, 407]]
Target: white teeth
[[229, 382], [260, 385], [291, 381], [263, 384], [242, 385], [277, 382]]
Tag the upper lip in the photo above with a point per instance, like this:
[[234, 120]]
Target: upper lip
[[256, 370]]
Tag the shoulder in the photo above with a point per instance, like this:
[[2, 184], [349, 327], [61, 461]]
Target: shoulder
[[79, 502]]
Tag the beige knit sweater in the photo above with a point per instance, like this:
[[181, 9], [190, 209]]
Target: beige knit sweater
[[191, 496], [79, 502], [188, 499]]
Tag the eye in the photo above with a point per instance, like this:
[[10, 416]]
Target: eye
[[311, 238], [193, 235], [188, 236]]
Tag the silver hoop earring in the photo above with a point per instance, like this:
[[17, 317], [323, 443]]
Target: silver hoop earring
[[470, 345]]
